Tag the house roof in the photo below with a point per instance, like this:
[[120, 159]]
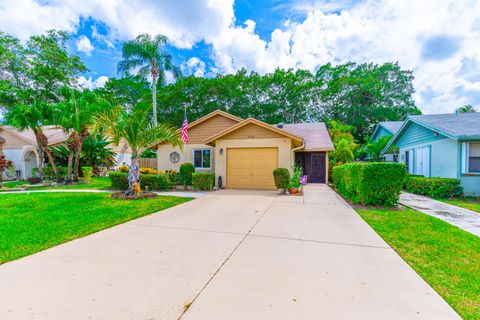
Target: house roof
[[462, 126], [315, 135], [54, 134], [245, 122], [456, 126], [211, 115], [391, 126]]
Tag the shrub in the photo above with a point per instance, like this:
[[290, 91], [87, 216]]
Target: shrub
[[295, 181], [87, 173], [282, 178], [203, 180], [49, 174], [375, 183], [123, 169], [147, 181], [119, 180], [185, 174], [434, 187], [149, 171]]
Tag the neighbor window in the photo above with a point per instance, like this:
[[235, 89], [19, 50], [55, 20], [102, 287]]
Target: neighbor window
[[202, 159], [471, 157]]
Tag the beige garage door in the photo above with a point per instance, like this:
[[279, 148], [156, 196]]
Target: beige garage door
[[251, 168]]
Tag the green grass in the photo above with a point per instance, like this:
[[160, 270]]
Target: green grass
[[33, 222], [95, 184], [445, 256], [467, 203]]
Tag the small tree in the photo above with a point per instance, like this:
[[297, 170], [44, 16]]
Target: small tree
[[137, 131], [343, 153], [4, 164], [282, 178], [185, 174], [374, 149]]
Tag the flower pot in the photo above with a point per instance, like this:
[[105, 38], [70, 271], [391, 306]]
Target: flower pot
[[292, 190], [34, 180]]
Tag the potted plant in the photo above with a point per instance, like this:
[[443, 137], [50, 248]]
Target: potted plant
[[34, 179], [294, 185]]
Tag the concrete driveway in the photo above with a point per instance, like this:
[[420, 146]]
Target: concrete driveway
[[228, 255]]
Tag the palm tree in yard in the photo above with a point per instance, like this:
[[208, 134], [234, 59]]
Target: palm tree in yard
[[137, 131], [34, 117], [75, 115], [468, 108], [146, 56]]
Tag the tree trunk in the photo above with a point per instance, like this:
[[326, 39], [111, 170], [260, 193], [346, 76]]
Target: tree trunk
[[40, 161], [133, 174], [42, 140], [78, 151], [71, 144], [154, 99]]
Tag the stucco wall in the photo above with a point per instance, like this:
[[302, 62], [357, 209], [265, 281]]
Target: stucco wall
[[17, 156], [123, 159], [164, 151], [443, 157], [284, 146]]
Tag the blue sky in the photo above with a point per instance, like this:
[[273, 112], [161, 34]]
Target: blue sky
[[438, 39]]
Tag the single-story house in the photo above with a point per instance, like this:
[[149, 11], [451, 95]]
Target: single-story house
[[244, 152], [21, 148], [442, 145], [386, 129]]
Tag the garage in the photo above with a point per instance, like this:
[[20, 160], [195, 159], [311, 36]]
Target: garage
[[251, 168]]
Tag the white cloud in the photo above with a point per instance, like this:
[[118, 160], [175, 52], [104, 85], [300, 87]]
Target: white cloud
[[438, 39], [91, 84], [84, 45], [194, 66]]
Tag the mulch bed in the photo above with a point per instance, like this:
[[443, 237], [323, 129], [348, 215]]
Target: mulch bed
[[144, 195]]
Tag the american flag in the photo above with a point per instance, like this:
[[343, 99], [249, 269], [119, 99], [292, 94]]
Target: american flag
[[185, 129]]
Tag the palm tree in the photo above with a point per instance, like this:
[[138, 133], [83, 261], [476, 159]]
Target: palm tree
[[468, 108], [137, 131], [75, 115], [34, 117], [146, 56]]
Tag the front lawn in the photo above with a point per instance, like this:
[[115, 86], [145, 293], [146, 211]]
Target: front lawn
[[467, 203], [445, 256], [33, 222], [102, 183]]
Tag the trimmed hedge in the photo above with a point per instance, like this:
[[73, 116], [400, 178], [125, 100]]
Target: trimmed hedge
[[87, 173], [185, 174], [434, 187], [147, 181], [203, 181], [282, 178], [374, 183]]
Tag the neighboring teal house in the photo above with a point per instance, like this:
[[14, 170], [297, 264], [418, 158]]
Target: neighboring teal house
[[442, 145], [383, 129]]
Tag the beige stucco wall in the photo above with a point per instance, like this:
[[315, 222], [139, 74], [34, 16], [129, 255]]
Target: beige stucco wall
[[163, 156], [284, 146]]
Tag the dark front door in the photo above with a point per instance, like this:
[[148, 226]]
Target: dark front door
[[317, 168], [313, 164]]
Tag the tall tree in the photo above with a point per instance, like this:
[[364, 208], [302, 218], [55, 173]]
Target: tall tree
[[36, 78], [146, 55], [468, 108], [137, 131]]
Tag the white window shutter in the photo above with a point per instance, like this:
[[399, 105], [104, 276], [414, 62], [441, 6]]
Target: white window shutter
[[464, 158]]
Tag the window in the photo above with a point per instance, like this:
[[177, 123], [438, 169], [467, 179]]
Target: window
[[471, 157], [201, 158]]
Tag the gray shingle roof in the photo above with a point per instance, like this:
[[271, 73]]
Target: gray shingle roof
[[462, 125], [392, 126], [315, 134]]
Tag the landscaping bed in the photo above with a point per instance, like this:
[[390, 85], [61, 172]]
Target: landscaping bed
[[445, 256], [33, 222]]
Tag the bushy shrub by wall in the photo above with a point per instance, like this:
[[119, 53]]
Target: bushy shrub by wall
[[434, 187], [87, 173], [374, 183], [282, 178], [203, 181], [147, 181], [49, 174], [185, 174]]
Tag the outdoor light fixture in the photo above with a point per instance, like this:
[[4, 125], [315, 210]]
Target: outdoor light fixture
[[435, 134], [221, 151]]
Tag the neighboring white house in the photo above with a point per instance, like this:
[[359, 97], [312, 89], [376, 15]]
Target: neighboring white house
[[21, 148]]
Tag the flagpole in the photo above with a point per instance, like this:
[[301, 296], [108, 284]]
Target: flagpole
[[184, 144]]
